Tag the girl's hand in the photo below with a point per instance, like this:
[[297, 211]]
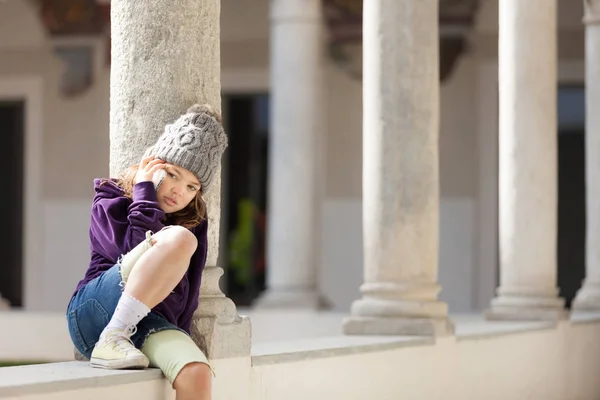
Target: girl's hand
[[148, 166]]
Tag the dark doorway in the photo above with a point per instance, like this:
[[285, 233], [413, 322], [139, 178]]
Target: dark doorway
[[571, 191], [12, 125], [247, 128]]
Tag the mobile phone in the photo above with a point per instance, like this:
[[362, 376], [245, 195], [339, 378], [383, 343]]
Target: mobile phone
[[158, 177]]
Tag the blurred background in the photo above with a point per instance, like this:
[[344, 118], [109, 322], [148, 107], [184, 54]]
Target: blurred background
[[54, 122]]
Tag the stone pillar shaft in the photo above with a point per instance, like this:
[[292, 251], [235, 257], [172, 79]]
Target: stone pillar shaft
[[296, 122], [528, 162], [164, 59], [400, 171], [588, 297]]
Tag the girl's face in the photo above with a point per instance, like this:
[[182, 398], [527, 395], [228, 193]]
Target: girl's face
[[177, 190]]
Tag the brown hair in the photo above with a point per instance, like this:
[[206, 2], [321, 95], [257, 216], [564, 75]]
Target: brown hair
[[188, 217]]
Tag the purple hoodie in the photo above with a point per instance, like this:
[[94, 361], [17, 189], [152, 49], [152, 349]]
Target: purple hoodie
[[118, 224]]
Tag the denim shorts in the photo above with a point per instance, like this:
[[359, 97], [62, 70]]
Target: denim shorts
[[92, 307]]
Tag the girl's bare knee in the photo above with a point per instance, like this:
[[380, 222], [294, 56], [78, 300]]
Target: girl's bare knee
[[177, 239], [194, 378]]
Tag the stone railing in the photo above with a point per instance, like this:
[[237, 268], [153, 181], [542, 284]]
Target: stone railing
[[499, 360]]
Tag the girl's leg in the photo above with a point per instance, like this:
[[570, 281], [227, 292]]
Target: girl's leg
[[148, 282], [160, 269], [182, 362], [194, 382]]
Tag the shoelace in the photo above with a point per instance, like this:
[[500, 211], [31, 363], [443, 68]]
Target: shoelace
[[121, 340]]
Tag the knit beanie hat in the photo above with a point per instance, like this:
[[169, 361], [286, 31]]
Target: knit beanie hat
[[195, 141]]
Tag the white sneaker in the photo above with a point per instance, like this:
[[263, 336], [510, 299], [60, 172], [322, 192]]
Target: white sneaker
[[115, 350]]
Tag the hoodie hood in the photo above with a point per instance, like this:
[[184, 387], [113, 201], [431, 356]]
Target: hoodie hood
[[107, 188]]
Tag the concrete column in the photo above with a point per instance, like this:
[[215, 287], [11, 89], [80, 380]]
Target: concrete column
[[296, 122], [588, 297], [164, 59], [400, 172], [528, 162]]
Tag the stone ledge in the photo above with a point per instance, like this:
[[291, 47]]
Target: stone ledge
[[474, 330], [326, 347], [69, 376], [584, 317], [55, 377], [468, 328]]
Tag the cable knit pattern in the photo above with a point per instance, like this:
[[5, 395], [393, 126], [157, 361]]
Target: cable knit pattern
[[195, 141]]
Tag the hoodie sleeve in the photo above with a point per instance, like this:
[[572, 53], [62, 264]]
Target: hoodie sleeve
[[118, 224], [197, 264]]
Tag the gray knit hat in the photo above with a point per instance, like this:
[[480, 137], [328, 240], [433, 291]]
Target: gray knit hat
[[195, 141]]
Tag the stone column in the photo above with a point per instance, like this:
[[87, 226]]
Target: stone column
[[588, 297], [164, 59], [400, 172], [528, 162], [296, 66]]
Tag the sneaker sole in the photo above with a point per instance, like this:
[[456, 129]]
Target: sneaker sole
[[126, 363]]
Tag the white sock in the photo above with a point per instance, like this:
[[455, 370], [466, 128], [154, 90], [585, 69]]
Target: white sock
[[129, 312]]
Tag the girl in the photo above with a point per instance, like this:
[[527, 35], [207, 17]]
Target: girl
[[148, 237]]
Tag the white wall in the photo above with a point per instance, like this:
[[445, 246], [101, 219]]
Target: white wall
[[16, 16], [458, 167], [341, 269], [72, 149]]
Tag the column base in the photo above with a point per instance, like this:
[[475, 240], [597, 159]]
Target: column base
[[515, 308], [216, 326], [587, 298], [373, 316], [78, 356], [222, 340], [277, 299]]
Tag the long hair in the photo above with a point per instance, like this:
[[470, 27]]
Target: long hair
[[188, 217]]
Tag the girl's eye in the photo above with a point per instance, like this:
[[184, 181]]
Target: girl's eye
[[173, 176], [192, 188]]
